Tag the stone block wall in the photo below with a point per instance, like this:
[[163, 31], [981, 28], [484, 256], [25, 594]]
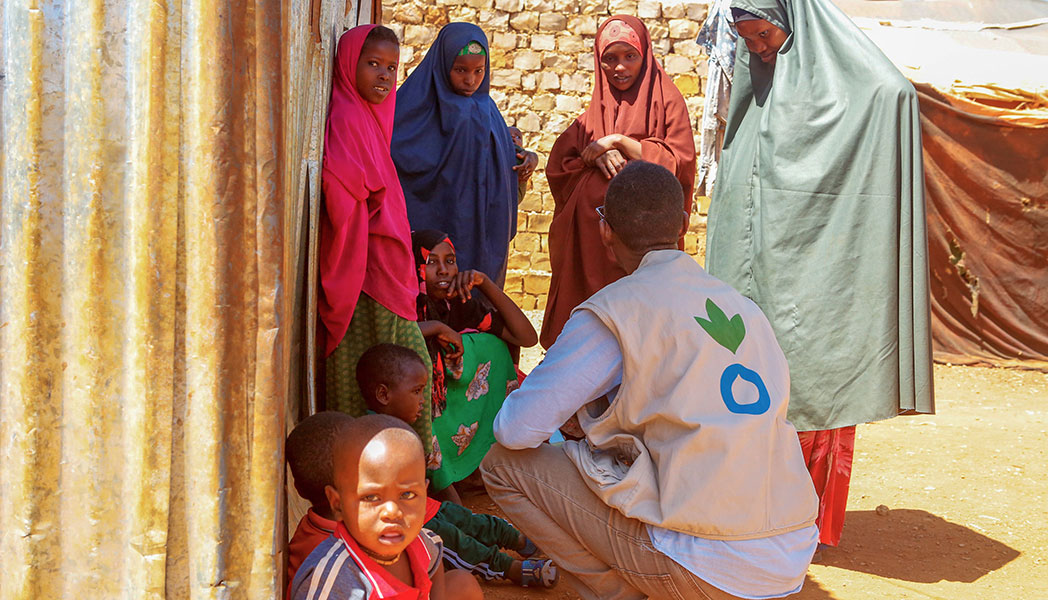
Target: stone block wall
[[542, 76]]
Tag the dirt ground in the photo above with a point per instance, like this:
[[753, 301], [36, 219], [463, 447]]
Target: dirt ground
[[966, 492]]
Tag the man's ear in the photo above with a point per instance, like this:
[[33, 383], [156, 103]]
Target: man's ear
[[382, 394], [334, 500], [684, 226], [605, 233], [608, 239]]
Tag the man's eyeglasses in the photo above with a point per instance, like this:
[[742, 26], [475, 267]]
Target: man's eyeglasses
[[600, 213]]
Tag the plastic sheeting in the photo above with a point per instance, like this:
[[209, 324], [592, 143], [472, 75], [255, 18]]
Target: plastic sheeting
[[150, 269], [718, 38], [986, 172]]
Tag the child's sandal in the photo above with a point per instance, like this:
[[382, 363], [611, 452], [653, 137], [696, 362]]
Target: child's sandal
[[539, 573]]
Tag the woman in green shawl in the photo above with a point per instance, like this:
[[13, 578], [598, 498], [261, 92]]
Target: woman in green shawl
[[818, 216], [466, 334]]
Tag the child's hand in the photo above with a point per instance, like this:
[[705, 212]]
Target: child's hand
[[464, 282], [450, 340], [526, 168], [598, 148]]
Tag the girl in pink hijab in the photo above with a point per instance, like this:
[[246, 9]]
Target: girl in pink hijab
[[367, 269]]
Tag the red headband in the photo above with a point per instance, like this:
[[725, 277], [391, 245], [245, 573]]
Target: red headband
[[618, 31]]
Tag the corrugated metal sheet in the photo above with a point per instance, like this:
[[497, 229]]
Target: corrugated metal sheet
[[150, 281]]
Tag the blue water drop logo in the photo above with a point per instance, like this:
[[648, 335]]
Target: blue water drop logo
[[737, 371]]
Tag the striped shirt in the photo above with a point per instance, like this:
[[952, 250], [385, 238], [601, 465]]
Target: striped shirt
[[338, 570]]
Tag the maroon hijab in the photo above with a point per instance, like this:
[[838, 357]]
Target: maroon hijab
[[643, 112], [653, 112], [639, 112]]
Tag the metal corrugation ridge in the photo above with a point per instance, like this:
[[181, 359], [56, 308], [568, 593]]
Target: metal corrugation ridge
[[144, 306]]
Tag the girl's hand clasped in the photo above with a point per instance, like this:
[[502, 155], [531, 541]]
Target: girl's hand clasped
[[464, 282], [598, 147], [604, 154], [610, 163]]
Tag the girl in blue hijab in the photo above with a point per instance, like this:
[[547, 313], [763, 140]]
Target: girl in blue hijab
[[453, 152]]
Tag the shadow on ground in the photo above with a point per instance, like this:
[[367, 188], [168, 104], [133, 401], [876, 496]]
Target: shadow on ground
[[915, 545], [812, 591]]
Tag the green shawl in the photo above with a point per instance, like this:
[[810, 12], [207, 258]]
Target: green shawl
[[463, 431], [818, 216]]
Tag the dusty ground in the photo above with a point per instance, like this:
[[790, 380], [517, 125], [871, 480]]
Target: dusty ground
[[967, 492]]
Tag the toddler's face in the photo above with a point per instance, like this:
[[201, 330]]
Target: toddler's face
[[516, 136], [467, 73], [407, 395], [382, 498], [377, 70], [441, 268]]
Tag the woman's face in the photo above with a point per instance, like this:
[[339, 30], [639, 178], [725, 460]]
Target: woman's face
[[467, 73], [377, 70], [441, 268], [762, 38], [621, 64]]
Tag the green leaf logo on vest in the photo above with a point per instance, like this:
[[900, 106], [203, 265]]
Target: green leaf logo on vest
[[727, 333], [730, 333]]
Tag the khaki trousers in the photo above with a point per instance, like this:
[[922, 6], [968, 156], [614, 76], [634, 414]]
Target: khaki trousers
[[603, 554]]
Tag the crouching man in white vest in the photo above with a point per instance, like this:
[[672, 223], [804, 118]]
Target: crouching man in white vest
[[689, 482]]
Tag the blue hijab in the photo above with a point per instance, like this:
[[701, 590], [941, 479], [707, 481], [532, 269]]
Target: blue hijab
[[455, 157]]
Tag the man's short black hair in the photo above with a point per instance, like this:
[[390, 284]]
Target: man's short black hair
[[383, 364], [644, 205], [309, 449], [381, 34]]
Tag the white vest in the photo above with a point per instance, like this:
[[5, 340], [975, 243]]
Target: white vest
[[696, 440]]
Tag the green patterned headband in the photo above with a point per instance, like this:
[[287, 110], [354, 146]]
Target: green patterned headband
[[472, 49]]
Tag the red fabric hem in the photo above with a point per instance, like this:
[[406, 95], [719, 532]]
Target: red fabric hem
[[828, 456]]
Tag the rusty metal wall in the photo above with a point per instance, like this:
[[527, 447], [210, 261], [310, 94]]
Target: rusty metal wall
[[149, 274]]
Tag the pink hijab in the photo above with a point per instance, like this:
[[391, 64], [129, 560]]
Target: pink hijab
[[365, 239]]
